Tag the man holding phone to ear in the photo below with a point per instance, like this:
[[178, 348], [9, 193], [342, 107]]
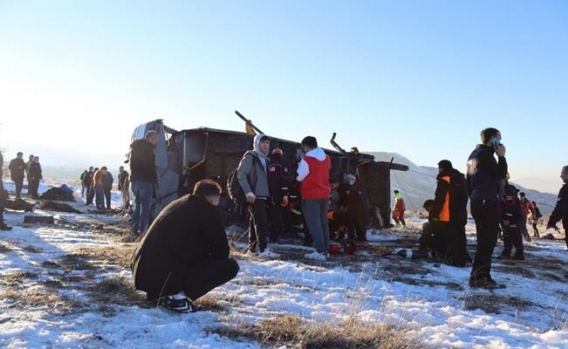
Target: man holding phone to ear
[[485, 180]]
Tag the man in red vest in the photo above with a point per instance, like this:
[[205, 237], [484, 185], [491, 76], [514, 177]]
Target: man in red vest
[[313, 173]]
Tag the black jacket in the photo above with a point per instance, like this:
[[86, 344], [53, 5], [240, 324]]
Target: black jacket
[[107, 181], [511, 207], [17, 168], [485, 175], [457, 198], [88, 179], [278, 178], [560, 211], [142, 162], [186, 230], [35, 171]]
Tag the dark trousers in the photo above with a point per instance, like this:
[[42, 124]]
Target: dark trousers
[[3, 199], [512, 237], [19, 184], [90, 195], [357, 227], [565, 226], [100, 198], [486, 215], [456, 254], [206, 274], [107, 198], [258, 225], [275, 220], [33, 185], [523, 228], [535, 228]]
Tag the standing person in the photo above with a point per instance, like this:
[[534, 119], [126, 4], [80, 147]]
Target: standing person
[[98, 187], [124, 187], [83, 187], [560, 211], [313, 175], [526, 210], [28, 164], [35, 176], [185, 252], [3, 198], [143, 177], [278, 189], [399, 208], [485, 178], [450, 213], [253, 179], [107, 180], [88, 183], [535, 218], [17, 169], [355, 200], [511, 218]]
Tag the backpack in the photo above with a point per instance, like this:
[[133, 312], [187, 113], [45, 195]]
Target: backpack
[[234, 189]]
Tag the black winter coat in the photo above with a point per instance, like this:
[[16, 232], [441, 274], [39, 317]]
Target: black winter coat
[[17, 168], [560, 211], [142, 162], [485, 175], [186, 230], [35, 171]]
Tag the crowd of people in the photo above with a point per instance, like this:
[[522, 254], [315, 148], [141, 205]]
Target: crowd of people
[[97, 184], [183, 253]]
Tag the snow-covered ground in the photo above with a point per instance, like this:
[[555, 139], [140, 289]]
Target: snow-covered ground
[[60, 287]]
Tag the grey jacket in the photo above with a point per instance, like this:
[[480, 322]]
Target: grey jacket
[[252, 172]]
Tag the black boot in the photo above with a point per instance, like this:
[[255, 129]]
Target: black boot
[[3, 226]]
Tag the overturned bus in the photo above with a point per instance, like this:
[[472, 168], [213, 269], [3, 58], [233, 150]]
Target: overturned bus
[[187, 156]]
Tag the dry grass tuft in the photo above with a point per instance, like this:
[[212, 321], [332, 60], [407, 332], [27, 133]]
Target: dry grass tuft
[[491, 303], [16, 278], [117, 255], [50, 265], [210, 303], [75, 261], [118, 290], [32, 249], [294, 332], [40, 297], [5, 248]]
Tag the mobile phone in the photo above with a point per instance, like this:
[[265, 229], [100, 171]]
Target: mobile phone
[[494, 141]]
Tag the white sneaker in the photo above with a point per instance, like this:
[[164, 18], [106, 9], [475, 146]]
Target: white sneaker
[[315, 255], [268, 254]]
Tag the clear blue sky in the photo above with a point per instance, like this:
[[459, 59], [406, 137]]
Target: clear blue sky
[[420, 78]]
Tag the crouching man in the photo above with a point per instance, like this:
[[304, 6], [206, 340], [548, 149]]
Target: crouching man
[[185, 252]]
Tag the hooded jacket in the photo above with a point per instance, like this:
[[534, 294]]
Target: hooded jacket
[[252, 171], [313, 173]]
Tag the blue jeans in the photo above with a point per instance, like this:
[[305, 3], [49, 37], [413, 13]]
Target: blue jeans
[[142, 201], [315, 214]]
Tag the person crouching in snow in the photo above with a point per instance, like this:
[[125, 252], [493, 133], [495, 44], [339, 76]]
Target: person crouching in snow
[[185, 252]]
